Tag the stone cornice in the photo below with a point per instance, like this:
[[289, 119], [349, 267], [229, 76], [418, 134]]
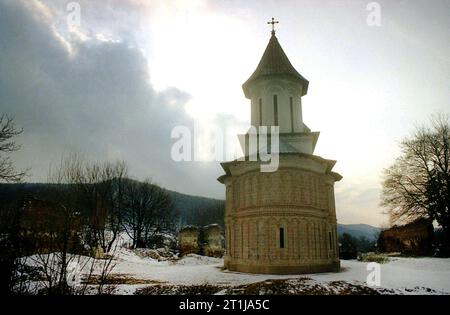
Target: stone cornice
[[287, 160]]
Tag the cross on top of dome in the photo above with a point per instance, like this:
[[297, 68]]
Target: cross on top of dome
[[273, 22]]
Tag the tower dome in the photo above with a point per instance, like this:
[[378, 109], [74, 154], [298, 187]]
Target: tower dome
[[275, 64]]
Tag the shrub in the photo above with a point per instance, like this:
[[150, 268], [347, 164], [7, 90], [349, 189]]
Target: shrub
[[373, 257]]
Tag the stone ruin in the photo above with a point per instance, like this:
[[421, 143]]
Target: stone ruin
[[212, 241], [205, 240], [188, 240], [415, 238]]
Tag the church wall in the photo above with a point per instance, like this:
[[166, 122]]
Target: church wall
[[259, 204]]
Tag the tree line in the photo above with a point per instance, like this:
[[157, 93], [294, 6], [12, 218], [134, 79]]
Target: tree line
[[417, 184], [83, 210]]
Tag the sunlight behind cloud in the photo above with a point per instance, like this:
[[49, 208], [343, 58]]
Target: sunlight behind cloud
[[201, 51], [368, 86]]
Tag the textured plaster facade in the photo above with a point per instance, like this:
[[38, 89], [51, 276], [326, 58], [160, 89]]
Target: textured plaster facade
[[298, 201]]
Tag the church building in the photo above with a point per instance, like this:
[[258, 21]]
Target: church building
[[281, 222]]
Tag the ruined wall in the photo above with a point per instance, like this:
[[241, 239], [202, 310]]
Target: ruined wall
[[411, 239], [212, 239], [188, 240]]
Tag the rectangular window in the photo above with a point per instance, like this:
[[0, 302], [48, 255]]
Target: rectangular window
[[331, 241], [292, 113], [260, 112], [275, 109], [281, 237]]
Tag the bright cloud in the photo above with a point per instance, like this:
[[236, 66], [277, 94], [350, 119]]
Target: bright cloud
[[114, 86]]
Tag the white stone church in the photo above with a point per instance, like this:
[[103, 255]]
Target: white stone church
[[281, 222]]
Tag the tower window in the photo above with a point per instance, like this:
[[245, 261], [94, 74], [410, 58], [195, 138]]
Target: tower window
[[275, 109], [260, 112], [281, 237], [292, 113]]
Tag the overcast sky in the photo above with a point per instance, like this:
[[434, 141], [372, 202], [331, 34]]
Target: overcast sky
[[115, 86]]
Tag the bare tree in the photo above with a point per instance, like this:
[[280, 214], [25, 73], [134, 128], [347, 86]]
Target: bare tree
[[417, 185], [50, 239], [116, 196], [8, 131], [148, 212], [49, 232], [13, 278], [101, 188], [59, 231]]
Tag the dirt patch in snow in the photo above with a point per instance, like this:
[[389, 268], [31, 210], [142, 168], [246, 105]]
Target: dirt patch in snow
[[300, 286], [202, 289]]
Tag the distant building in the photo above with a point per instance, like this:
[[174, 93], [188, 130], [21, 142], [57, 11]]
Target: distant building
[[205, 240], [281, 222], [45, 227], [415, 238]]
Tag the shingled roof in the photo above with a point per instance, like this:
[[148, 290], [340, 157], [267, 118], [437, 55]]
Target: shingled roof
[[274, 62]]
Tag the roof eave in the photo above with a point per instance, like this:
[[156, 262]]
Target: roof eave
[[246, 86]]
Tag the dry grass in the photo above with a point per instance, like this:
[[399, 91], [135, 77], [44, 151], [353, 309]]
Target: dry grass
[[118, 279], [202, 289]]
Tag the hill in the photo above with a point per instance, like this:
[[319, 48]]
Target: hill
[[192, 210], [359, 230]]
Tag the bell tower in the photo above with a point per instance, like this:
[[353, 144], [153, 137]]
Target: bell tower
[[275, 90]]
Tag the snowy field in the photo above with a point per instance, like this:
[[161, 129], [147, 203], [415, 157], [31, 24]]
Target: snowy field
[[400, 275]]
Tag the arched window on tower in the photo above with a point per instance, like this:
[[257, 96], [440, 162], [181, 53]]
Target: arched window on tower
[[260, 112], [275, 109]]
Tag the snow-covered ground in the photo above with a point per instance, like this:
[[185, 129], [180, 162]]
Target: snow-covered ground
[[404, 275], [398, 273]]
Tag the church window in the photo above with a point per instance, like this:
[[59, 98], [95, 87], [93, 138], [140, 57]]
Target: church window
[[260, 112], [331, 240], [275, 109], [281, 237]]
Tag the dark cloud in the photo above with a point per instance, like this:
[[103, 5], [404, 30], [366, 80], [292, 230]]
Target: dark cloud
[[94, 98]]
